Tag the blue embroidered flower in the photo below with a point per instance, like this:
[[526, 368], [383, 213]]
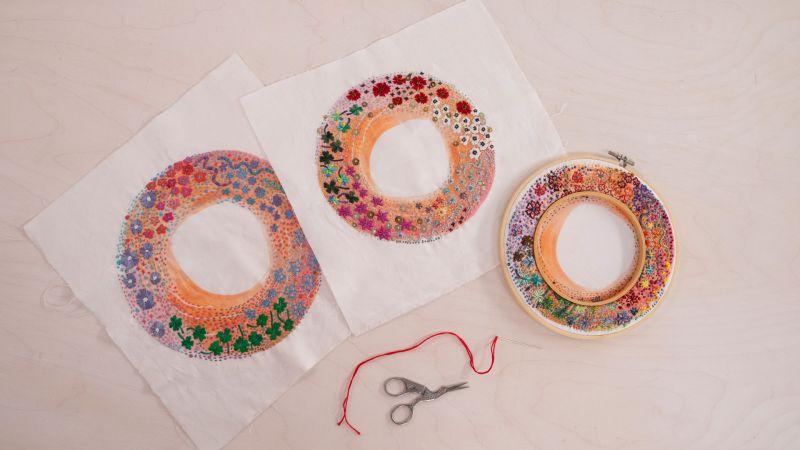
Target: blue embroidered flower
[[250, 314], [294, 268], [622, 317], [308, 282], [136, 226], [290, 291], [299, 310], [148, 199], [274, 228], [277, 200], [251, 180], [266, 303], [128, 260], [288, 213], [272, 293], [144, 299], [129, 280], [279, 275], [147, 250], [299, 237], [250, 201], [260, 192], [245, 189], [237, 198], [312, 262], [157, 329], [241, 173], [155, 278], [328, 170]]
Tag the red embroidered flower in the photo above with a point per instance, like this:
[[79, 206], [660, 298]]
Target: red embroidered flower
[[399, 79], [397, 101], [353, 95], [160, 206], [442, 93], [148, 233], [380, 89], [151, 186], [170, 183], [464, 107], [421, 98], [171, 171], [187, 169], [418, 82], [167, 217], [577, 177], [186, 191], [539, 189], [161, 229], [199, 176]]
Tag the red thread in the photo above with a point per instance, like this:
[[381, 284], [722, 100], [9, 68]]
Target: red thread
[[408, 349]]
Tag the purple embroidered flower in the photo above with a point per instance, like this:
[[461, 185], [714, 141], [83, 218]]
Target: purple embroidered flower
[[128, 260], [279, 275], [382, 216], [290, 291], [405, 224], [148, 199], [294, 268], [129, 280], [155, 278], [350, 171], [144, 299], [277, 200], [136, 226], [361, 208], [383, 233], [357, 185], [377, 201], [299, 310], [260, 192], [147, 250], [156, 329], [365, 223], [345, 212]]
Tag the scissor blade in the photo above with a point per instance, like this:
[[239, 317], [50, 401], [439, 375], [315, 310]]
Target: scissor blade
[[455, 387]]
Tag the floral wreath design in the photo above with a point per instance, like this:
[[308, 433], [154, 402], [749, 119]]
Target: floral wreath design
[[177, 312], [585, 175], [357, 120]]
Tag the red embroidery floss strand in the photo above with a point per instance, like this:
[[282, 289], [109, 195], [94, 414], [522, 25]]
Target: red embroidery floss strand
[[343, 419]]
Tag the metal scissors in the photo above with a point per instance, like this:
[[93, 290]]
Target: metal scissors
[[425, 395]]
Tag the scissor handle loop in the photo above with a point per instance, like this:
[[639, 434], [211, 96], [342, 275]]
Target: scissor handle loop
[[404, 419]]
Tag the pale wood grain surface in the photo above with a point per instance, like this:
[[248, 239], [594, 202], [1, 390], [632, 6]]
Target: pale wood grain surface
[[704, 95]]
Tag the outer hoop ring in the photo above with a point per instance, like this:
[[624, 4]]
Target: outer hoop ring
[[503, 235]]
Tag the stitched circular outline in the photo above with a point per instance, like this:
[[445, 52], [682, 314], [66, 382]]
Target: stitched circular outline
[[357, 120], [169, 305], [536, 297]]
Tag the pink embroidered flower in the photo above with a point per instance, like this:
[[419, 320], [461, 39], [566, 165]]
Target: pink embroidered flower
[[350, 171], [421, 98], [357, 185], [405, 224], [464, 107], [398, 79], [353, 95], [377, 201], [345, 212], [183, 180], [186, 191], [174, 203], [160, 206], [361, 208], [167, 217], [382, 216], [383, 233], [365, 223], [380, 89], [362, 192], [418, 82]]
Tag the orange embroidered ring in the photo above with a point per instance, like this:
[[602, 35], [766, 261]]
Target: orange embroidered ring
[[362, 115], [530, 232], [175, 310]]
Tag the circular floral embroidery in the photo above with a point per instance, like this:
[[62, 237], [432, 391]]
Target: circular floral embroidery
[[172, 308], [587, 175], [358, 119]]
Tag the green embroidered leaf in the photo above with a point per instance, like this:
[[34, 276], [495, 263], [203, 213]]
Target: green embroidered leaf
[[351, 197], [336, 146], [241, 345], [546, 303], [255, 338], [224, 336], [336, 117], [343, 127], [215, 348], [187, 342], [175, 323], [274, 331], [325, 157], [199, 333], [331, 187], [327, 137], [280, 305], [261, 320], [356, 110], [288, 325]]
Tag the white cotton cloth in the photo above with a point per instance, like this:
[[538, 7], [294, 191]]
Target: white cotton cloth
[[373, 280], [212, 400]]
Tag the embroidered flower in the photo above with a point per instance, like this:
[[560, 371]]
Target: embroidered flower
[[136, 226], [377, 201], [144, 299], [353, 95], [279, 275], [129, 280], [397, 101], [382, 216], [148, 199], [380, 89], [361, 208], [442, 93], [464, 107], [383, 233], [147, 250], [155, 278], [128, 260], [418, 82], [365, 223], [475, 153], [156, 329], [421, 98], [345, 212], [399, 79]]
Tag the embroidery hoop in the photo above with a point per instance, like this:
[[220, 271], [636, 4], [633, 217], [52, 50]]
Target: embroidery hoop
[[515, 199]]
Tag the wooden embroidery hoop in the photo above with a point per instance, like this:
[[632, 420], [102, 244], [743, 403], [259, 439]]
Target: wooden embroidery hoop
[[616, 158]]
